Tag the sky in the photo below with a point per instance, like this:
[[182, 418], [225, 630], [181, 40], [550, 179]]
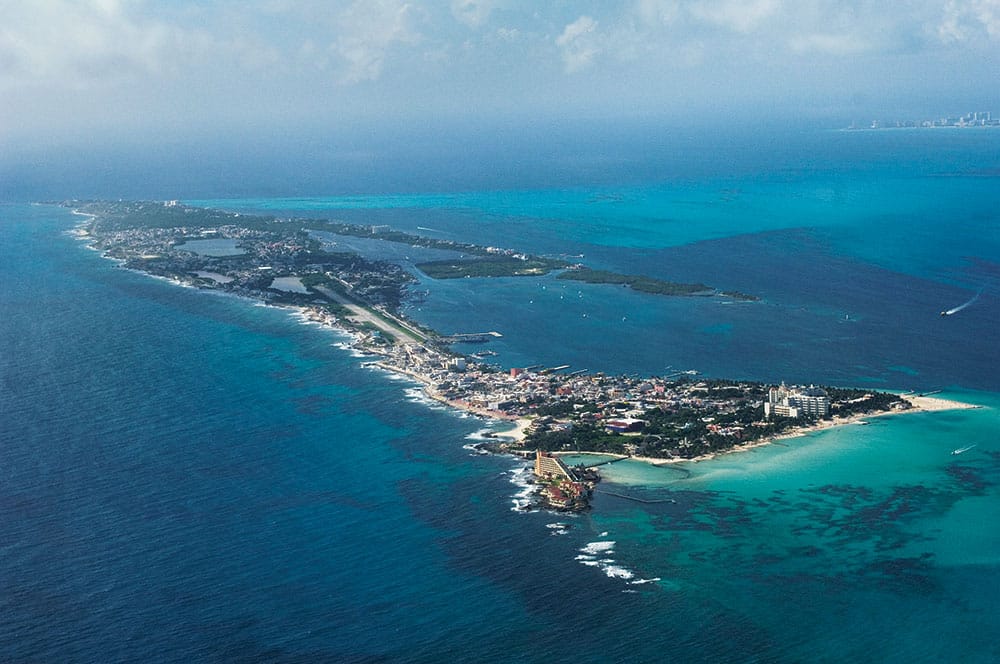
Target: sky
[[78, 72]]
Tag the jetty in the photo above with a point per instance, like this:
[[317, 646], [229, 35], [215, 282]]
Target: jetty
[[645, 501], [471, 337], [606, 462]]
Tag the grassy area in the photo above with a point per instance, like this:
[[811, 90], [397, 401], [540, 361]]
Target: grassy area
[[640, 283], [494, 266]]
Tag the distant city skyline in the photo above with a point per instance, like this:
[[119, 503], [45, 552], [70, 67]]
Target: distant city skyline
[[969, 119]]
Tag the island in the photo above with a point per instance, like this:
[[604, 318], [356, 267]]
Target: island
[[662, 419], [646, 284]]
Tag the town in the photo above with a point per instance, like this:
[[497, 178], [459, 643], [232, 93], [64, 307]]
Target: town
[[971, 119], [676, 416]]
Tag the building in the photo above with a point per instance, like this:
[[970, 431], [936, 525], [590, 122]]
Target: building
[[548, 466], [559, 487], [624, 425], [797, 402]]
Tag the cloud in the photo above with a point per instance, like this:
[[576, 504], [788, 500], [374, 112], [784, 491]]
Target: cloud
[[80, 44], [829, 44], [963, 21], [579, 44], [738, 15], [361, 58], [508, 34], [473, 13], [368, 32], [654, 12]]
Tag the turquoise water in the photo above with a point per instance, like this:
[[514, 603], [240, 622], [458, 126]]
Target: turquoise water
[[189, 476], [858, 540]]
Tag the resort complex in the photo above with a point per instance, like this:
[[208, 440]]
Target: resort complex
[[797, 402], [561, 487]]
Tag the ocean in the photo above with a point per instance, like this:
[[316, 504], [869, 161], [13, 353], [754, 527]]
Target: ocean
[[189, 476]]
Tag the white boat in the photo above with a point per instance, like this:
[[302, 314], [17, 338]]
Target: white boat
[[961, 449]]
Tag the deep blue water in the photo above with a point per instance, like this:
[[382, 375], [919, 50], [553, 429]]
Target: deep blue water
[[189, 476]]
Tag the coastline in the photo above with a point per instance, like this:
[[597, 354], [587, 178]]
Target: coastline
[[358, 343], [919, 404], [518, 433]]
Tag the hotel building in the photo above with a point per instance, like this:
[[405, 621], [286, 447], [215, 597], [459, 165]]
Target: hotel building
[[797, 402]]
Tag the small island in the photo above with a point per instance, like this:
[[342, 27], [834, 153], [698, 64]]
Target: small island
[[645, 284], [490, 266], [660, 419]]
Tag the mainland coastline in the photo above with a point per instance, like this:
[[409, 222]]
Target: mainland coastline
[[281, 264]]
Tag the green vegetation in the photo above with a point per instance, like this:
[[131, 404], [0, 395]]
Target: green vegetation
[[125, 215], [583, 437], [851, 401], [687, 431], [378, 332], [493, 266], [389, 235], [479, 261], [640, 283], [737, 295], [337, 310], [313, 279]]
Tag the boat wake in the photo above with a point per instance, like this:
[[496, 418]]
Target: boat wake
[[955, 310]]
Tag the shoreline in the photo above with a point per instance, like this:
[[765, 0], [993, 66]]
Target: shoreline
[[356, 344], [518, 433], [919, 404]]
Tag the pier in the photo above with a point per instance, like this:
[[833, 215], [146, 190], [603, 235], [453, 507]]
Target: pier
[[471, 337], [604, 463], [637, 500]]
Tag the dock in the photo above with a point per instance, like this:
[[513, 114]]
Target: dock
[[471, 337], [637, 500], [604, 463]]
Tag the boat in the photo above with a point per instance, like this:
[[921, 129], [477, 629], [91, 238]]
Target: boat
[[961, 449]]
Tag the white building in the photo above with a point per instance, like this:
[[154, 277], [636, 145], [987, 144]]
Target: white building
[[797, 402]]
